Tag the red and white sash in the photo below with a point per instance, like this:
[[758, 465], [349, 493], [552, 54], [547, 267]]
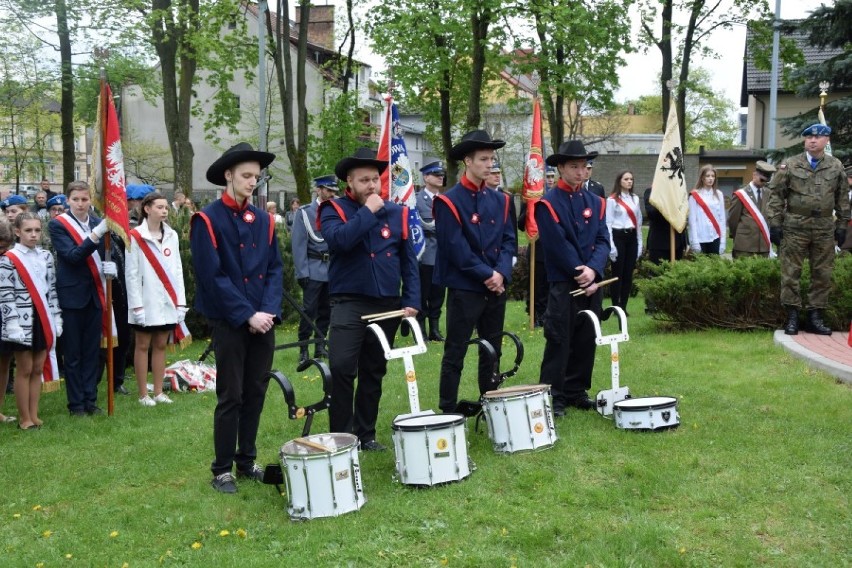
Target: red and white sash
[[707, 212], [755, 213], [629, 211], [155, 258], [93, 261], [50, 371]]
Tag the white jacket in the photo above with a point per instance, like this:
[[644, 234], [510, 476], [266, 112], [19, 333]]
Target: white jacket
[[144, 288], [701, 230]]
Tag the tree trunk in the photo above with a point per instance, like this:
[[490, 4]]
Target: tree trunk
[[480, 19], [688, 44], [665, 46], [69, 156]]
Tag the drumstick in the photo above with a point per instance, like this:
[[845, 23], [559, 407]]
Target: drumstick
[[310, 444], [384, 315], [581, 291]]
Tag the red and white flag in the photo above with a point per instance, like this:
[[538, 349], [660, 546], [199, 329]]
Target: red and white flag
[[107, 184], [533, 174]]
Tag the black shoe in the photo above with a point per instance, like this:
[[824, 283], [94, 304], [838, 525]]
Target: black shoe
[[78, 413], [372, 446], [558, 412], [436, 336], [320, 354], [815, 323], [224, 483], [583, 403], [94, 410], [255, 472], [121, 389], [303, 355], [792, 325]]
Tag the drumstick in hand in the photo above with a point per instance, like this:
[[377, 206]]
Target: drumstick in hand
[[384, 315], [581, 291]]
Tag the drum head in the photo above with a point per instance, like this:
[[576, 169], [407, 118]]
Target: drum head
[[314, 444], [516, 390], [645, 403], [428, 422]]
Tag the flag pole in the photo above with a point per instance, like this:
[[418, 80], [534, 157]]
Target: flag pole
[[107, 251], [533, 189]]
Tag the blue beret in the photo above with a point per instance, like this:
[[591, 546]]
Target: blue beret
[[817, 130], [13, 200], [57, 200], [495, 167], [328, 181], [433, 168], [138, 191]]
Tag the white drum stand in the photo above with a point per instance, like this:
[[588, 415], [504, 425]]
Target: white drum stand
[[607, 398]]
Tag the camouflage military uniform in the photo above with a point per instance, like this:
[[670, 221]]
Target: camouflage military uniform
[[808, 204]]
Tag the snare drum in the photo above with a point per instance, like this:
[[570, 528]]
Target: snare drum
[[322, 482], [647, 413], [519, 418], [430, 449]]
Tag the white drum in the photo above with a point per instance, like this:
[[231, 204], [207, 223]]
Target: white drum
[[519, 418], [323, 475], [430, 449], [647, 413]]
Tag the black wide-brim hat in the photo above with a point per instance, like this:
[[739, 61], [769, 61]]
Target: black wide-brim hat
[[570, 150], [472, 141], [237, 154], [363, 157]]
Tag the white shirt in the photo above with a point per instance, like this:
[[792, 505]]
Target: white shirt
[[33, 260], [701, 230], [617, 218]]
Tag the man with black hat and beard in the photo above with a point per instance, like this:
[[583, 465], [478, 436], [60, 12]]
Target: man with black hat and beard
[[476, 243], [370, 254], [239, 278], [575, 239], [431, 294]]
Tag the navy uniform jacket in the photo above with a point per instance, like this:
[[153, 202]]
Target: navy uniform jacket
[[238, 268], [370, 252], [424, 208], [475, 237], [75, 285], [308, 245], [572, 229]]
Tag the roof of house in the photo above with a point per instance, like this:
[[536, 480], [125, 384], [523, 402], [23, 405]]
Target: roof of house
[[758, 80]]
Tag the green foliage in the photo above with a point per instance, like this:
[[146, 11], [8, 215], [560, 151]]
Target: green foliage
[[341, 130], [121, 69], [711, 291]]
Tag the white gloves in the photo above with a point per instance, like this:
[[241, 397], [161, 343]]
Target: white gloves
[[58, 327], [110, 269], [100, 229], [514, 261], [613, 254], [182, 313], [139, 317]]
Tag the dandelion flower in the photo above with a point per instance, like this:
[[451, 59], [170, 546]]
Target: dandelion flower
[[16, 516], [444, 561], [504, 532], [46, 534], [69, 556], [241, 533], [196, 545], [224, 532], [682, 550], [113, 534], [36, 507]]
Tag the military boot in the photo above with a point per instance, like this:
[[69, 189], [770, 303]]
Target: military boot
[[303, 354], [792, 325], [435, 331], [815, 323]]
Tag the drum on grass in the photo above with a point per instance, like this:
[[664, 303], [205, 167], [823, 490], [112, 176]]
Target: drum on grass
[[519, 418], [323, 475], [646, 413], [430, 449]]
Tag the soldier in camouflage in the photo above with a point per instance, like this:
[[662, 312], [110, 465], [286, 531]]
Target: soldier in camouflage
[[807, 213]]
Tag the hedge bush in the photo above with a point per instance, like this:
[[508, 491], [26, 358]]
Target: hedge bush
[[710, 291]]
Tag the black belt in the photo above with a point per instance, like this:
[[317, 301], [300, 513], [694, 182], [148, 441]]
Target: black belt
[[323, 256], [809, 212], [623, 231]]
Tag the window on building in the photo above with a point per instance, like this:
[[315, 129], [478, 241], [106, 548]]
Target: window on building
[[237, 101], [20, 138], [76, 172], [51, 172]]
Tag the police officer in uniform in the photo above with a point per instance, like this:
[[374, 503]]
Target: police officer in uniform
[[746, 212], [431, 295], [370, 255], [575, 239], [595, 187], [808, 212], [476, 244], [310, 258]]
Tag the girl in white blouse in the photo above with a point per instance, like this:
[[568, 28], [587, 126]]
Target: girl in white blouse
[[708, 224], [156, 299], [624, 221]]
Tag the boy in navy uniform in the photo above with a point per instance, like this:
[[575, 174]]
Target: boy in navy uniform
[[476, 243], [310, 257], [370, 254], [239, 278], [574, 236], [431, 295]]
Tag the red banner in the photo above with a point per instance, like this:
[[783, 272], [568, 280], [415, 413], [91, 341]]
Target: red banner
[[384, 151], [108, 190], [534, 174]]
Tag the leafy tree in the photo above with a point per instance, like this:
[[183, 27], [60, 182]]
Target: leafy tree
[[341, 129], [827, 27], [681, 42], [122, 67]]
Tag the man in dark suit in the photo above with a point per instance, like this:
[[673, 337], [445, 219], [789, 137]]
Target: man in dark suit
[[80, 285], [590, 184], [431, 294]]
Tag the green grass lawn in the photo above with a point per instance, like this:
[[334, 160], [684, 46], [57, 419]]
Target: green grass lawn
[[757, 474]]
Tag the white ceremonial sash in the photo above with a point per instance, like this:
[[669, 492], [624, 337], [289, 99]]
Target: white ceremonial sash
[[755, 213]]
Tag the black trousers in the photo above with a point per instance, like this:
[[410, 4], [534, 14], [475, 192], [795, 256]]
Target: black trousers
[[711, 247], [569, 351], [125, 338], [541, 284], [431, 296], [626, 243], [355, 351], [467, 311], [82, 342], [315, 302], [242, 361]]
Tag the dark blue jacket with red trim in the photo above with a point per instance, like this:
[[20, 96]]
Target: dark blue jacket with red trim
[[572, 232], [475, 236], [370, 252], [238, 268]]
